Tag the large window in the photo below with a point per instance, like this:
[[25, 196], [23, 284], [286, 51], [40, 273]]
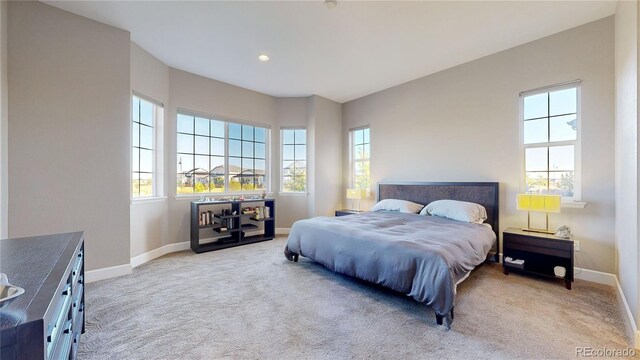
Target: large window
[[360, 158], [550, 138], [216, 156], [294, 160], [144, 174]]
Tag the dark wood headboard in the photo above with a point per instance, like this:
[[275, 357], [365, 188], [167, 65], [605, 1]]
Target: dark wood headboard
[[483, 193]]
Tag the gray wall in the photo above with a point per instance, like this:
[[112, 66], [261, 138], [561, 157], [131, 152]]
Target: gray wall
[[462, 124], [626, 159], [4, 146], [326, 156], [291, 207], [69, 124], [150, 218]]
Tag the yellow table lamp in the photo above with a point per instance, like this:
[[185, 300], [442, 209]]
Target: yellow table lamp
[[356, 194], [539, 203]]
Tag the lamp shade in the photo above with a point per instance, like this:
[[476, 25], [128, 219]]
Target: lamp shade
[[355, 194], [539, 203]]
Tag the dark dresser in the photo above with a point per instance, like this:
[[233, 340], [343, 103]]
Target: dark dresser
[[46, 321]]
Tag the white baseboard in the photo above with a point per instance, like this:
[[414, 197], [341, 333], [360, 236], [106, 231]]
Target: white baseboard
[[629, 322], [283, 231], [595, 276], [107, 273], [156, 253]]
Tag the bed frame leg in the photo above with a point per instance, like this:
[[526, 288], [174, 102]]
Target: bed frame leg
[[291, 256], [440, 318]]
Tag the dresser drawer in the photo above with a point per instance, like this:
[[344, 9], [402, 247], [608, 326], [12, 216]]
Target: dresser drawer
[[76, 273], [61, 316], [63, 345]]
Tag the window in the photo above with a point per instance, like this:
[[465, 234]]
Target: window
[[360, 158], [216, 156], [294, 160], [247, 157], [550, 138], [144, 169]]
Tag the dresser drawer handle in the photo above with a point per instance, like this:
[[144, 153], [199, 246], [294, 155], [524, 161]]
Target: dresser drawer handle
[[67, 327]]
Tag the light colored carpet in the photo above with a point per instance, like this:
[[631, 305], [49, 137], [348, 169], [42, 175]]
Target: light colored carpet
[[250, 303]]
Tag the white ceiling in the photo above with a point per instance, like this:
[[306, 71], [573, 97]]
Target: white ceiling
[[344, 53]]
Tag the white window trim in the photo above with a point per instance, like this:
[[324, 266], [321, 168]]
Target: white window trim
[[306, 159], [158, 149], [352, 160], [567, 202], [226, 120]]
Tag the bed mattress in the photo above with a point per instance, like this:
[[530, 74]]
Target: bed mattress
[[421, 256]]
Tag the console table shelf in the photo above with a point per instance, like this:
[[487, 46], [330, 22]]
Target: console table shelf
[[261, 229]]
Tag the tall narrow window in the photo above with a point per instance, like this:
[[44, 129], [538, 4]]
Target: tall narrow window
[[550, 138], [360, 158], [144, 117], [215, 156], [294, 160]]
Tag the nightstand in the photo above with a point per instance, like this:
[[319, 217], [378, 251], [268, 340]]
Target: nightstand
[[540, 252], [347, 212]]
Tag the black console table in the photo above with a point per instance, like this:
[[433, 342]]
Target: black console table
[[46, 321], [228, 230]]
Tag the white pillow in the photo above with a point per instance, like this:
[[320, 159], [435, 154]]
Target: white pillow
[[397, 205], [456, 210]]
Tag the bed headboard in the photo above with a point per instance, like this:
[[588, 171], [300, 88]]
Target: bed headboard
[[483, 193]]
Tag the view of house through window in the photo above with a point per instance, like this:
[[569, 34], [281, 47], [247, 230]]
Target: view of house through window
[[551, 141], [143, 153], [360, 158], [294, 160], [215, 156]]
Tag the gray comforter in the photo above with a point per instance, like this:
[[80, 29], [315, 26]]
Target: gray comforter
[[421, 256]]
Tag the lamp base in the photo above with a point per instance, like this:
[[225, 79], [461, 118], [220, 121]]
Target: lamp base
[[541, 231]]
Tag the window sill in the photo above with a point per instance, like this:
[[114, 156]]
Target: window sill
[[147, 200], [574, 205], [216, 195]]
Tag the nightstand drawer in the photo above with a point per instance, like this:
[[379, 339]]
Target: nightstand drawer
[[561, 248], [347, 212], [511, 245]]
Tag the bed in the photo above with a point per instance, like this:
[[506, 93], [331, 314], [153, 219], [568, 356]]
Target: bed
[[424, 257]]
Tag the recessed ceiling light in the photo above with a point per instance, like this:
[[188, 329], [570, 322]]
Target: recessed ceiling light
[[330, 4], [263, 57]]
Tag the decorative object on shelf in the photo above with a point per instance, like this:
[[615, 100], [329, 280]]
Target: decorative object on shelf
[[563, 232], [560, 271], [539, 203], [355, 194]]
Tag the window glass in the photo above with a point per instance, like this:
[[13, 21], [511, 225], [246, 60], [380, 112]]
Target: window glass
[[550, 140], [360, 158], [204, 145], [294, 159], [143, 155]]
